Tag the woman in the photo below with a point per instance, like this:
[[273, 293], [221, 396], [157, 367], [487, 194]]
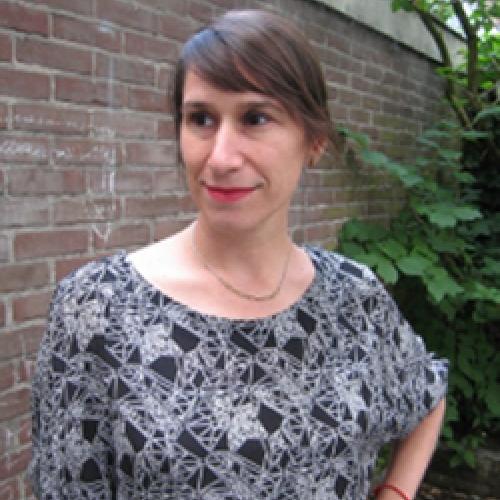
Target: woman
[[225, 362]]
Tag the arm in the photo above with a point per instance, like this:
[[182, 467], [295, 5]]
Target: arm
[[71, 421], [412, 455]]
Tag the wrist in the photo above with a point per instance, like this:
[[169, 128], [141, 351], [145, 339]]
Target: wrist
[[388, 491]]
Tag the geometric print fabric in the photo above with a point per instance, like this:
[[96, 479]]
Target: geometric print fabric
[[137, 396]]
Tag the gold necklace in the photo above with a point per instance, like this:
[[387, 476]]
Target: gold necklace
[[233, 289]]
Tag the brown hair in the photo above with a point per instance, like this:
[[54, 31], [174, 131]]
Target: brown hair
[[253, 50]]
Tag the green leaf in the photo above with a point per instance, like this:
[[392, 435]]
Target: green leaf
[[486, 113], [351, 249], [442, 218], [375, 158], [361, 139], [386, 270], [466, 213], [439, 283], [447, 243], [450, 154], [491, 267], [413, 264], [363, 231], [493, 399], [472, 135], [392, 248], [470, 458]]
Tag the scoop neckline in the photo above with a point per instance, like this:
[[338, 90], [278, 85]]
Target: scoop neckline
[[308, 292]]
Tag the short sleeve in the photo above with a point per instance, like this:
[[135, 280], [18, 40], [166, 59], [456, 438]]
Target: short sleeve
[[413, 379], [72, 451]]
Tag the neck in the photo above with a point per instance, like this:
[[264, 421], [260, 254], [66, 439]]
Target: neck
[[250, 256]]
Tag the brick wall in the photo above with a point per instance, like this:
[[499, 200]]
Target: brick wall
[[88, 163]]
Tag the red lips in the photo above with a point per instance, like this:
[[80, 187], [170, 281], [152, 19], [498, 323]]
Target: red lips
[[228, 194]]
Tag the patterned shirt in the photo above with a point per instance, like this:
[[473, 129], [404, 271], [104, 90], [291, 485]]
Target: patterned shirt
[[137, 396]]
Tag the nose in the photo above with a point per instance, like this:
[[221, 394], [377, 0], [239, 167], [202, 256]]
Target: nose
[[226, 154]]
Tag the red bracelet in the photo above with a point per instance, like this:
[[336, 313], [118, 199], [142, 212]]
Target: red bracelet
[[387, 486]]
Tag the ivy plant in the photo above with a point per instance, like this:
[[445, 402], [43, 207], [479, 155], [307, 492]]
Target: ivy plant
[[440, 255]]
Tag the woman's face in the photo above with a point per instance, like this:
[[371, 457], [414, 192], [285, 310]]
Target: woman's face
[[243, 155]]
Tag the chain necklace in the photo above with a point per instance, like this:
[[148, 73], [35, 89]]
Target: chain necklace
[[231, 288]]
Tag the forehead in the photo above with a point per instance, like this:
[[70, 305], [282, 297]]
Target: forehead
[[198, 90]]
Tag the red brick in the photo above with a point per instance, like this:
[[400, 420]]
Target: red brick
[[165, 228], [49, 243], [25, 149], [166, 129], [13, 404], [26, 370], [338, 112], [87, 92], [147, 206], [19, 17], [119, 124], [335, 75], [76, 6], [10, 489], [178, 6], [148, 100], [19, 277], [371, 102], [93, 34], [164, 78], [338, 42], [123, 236], [5, 47], [359, 83], [373, 72], [150, 154], [180, 28], [36, 181], [133, 181], [391, 79], [120, 181], [31, 338], [126, 70], [40, 118], [347, 97], [15, 83], [4, 248], [201, 11], [2, 314], [4, 111], [359, 116], [170, 179], [6, 376], [18, 342], [149, 47], [54, 55], [77, 151], [25, 430], [21, 213], [65, 266], [125, 14], [32, 306], [70, 211]]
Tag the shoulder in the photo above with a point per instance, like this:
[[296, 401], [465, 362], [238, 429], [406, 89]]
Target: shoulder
[[94, 281], [334, 266]]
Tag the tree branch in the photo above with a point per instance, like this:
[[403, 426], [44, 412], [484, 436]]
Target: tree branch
[[472, 41]]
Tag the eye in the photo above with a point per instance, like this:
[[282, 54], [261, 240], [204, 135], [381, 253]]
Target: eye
[[200, 119], [256, 118]]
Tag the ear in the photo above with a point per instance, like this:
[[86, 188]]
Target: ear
[[317, 148]]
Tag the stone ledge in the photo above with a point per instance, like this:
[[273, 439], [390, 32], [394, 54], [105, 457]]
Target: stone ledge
[[403, 27]]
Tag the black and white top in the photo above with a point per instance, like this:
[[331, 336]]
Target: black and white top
[[137, 396]]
